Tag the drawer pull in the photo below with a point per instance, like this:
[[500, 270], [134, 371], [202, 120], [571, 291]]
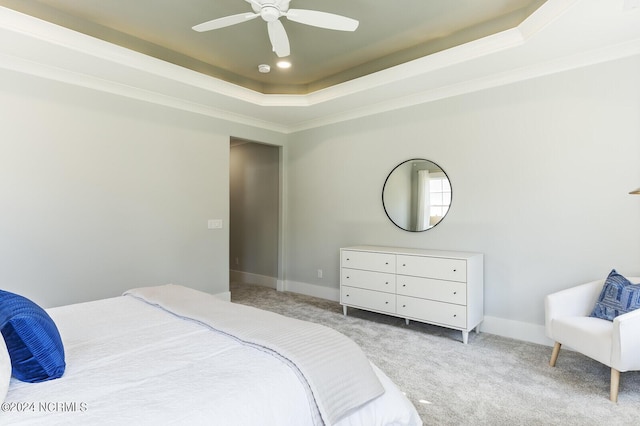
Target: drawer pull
[[404, 306], [454, 270], [455, 315], [386, 263], [386, 303], [404, 285], [455, 292]]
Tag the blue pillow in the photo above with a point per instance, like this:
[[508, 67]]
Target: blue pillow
[[32, 339], [618, 296]]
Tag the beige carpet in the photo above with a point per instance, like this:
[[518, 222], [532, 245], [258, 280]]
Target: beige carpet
[[491, 381]]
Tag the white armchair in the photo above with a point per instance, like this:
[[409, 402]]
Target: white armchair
[[614, 343]]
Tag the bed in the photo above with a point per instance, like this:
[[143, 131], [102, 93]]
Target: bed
[[174, 355]]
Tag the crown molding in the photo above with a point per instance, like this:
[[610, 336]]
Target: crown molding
[[45, 50], [609, 53]]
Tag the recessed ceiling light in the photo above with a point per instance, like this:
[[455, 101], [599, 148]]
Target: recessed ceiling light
[[264, 68], [284, 64]]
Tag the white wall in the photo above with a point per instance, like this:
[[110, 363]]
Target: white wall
[[540, 171], [100, 193]]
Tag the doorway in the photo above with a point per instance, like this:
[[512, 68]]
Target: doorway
[[254, 216]]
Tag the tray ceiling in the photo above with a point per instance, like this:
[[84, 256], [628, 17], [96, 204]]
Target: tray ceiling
[[390, 33]]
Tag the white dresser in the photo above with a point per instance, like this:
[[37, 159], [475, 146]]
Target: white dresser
[[444, 288]]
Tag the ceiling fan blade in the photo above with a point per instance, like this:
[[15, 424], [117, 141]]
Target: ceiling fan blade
[[279, 39], [225, 22], [255, 3], [322, 19]]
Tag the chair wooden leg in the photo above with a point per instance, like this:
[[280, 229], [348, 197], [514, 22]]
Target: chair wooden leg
[[554, 354], [615, 385]]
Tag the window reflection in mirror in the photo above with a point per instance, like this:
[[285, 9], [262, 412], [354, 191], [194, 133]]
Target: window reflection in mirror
[[416, 195]]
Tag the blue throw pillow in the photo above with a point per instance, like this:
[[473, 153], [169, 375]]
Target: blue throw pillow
[[618, 296], [32, 339]]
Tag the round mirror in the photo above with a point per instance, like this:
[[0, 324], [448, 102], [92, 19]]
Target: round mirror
[[416, 195]]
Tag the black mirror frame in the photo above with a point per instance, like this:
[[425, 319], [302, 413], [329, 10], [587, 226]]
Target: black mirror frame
[[385, 184]]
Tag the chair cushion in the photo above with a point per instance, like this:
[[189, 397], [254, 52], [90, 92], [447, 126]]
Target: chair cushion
[[587, 335], [32, 339], [618, 296]]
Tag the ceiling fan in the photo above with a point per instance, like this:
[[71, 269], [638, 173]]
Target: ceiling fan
[[271, 11]]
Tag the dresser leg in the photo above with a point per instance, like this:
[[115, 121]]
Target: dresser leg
[[344, 310], [465, 337], [406, 321]]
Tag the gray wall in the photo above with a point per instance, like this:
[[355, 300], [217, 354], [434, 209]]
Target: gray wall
[[255, 206], [100, 193], [540, 171]]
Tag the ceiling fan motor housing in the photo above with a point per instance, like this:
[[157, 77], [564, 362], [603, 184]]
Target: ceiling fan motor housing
[[270, 10], [270, 13]]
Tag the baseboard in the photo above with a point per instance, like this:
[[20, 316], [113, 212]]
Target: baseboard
[[256, 279], [518, 330], [226, 296], [329, 293]]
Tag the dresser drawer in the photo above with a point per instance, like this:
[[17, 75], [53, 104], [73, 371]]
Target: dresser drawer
[[368, 299], [427, 288], [433, 267], [379, 262], [432, 311], [379, 281]]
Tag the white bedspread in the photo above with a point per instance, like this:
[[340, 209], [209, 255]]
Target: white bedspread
[[332, 365], [131, 363]]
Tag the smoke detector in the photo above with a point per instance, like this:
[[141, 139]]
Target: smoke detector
[[264, 68]]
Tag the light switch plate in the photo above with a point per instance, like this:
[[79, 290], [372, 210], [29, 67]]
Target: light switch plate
[[214, 224]]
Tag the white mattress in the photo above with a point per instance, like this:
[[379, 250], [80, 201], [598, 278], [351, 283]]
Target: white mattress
[[132, 363]]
